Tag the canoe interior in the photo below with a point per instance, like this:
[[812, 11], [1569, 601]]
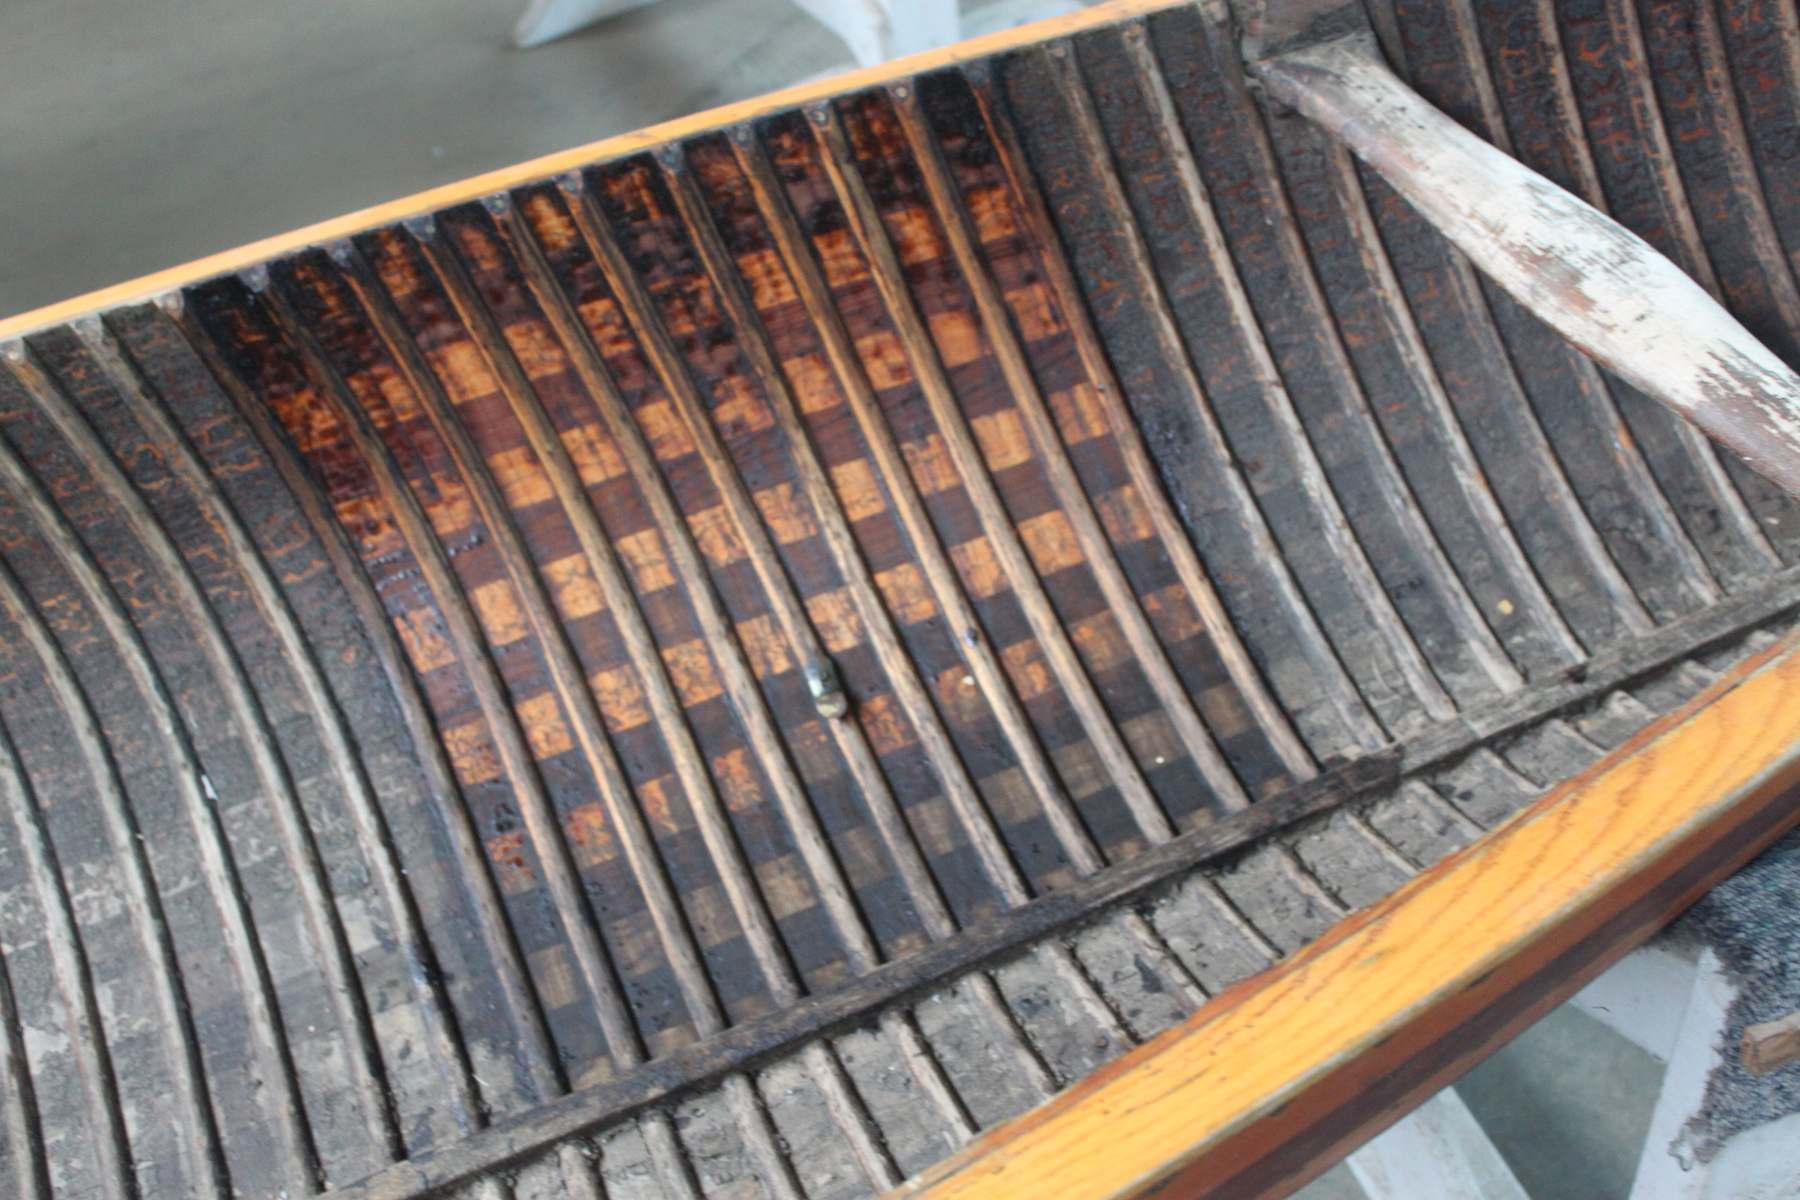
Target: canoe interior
[[412, 649]]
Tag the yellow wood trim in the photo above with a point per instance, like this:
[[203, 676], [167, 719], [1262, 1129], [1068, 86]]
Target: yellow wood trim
[[1279, 1076], [146, 286]]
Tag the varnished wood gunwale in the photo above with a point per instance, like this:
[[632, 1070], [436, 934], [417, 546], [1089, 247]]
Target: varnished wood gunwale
[[1283, 1074]]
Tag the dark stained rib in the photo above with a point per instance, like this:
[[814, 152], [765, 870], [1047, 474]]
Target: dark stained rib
[[640, 313], [978, 823], [74, 979], [512, 975], [302, 1162], [1752, 204], [1129, 438], [965, 800], [703, 796], [219, 871], [1316, 648], [373, 836], [885, 641], [854, 384], [996, 320], [1462, 613], [567, 892], [1002, 536], [1695, 575], [561, 878], [192, 1117], [1625, 603], [1525, 588], [1689, 250], [934, 562], [18, 1102]]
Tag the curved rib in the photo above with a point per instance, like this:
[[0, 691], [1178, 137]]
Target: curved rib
[[1189, 570], [697, 783], [192, 1117], [512, 975], [561, 878], [1001, 535], [323, 922], [853, 383], [370, 823], [74, 978], [219, 870], [1052, 455], [1328, 670], [598, 382], [1431, 563]]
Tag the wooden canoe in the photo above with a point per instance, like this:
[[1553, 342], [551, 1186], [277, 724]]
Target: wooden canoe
[[731, 660]]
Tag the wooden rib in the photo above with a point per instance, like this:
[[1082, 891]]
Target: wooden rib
[[1397, 1001], [934, 562], [1643, 485], [1002, 535], [187, 1095], [561, 879], [511, 974], [73, 977], [1660, 157], [941, 576], [697, 783], [1734, 138], [1461, 611], [1185, 560], [1627, 605], [219, 873], [18, 1101], [373, 836], [884, 640], [1525, 584], [1317, 649], [1052, 455], [964, 798], [896, 664], [324, 925]]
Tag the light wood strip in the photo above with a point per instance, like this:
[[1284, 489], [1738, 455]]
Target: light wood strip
[[1285, 1072]]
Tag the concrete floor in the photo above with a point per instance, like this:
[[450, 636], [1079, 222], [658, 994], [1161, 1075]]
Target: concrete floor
[[137, 136]]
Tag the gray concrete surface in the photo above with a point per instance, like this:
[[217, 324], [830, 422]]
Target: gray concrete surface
[[137, 136]]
